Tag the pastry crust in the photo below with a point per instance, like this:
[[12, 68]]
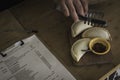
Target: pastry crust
[[97, 32], [78, 46], [78, 27]]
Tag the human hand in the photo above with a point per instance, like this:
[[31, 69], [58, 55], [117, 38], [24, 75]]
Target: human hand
[[74, 8]]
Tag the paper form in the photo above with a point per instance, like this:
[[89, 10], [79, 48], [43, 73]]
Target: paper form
[[31, 61]]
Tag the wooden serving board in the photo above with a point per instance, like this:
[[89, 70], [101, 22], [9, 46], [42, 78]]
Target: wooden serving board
[[90, 58]]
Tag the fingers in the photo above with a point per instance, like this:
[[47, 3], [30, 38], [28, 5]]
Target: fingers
[[85, 5], [72, 7], [72, 10], [64, 8], [79, 7]]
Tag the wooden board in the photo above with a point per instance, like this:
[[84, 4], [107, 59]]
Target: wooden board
[[90, 58]]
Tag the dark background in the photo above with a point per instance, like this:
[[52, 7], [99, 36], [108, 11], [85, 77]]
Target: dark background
[[4, 4], [52, 25]]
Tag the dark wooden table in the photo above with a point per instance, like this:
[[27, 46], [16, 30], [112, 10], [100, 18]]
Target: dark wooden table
[[52, 26]]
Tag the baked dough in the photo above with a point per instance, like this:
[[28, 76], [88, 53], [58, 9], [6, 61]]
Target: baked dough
[[78, 27], [78, 46], [97, 32]]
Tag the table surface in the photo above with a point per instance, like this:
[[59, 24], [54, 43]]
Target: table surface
[[41, 15]]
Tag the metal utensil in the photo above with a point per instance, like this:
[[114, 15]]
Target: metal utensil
[[94, 18]]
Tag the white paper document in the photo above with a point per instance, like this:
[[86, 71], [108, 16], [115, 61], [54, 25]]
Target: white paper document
[[31, 61]]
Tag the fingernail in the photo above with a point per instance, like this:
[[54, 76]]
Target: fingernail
[[76, 20], [86, 13], [83, 14], [66, 13]]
